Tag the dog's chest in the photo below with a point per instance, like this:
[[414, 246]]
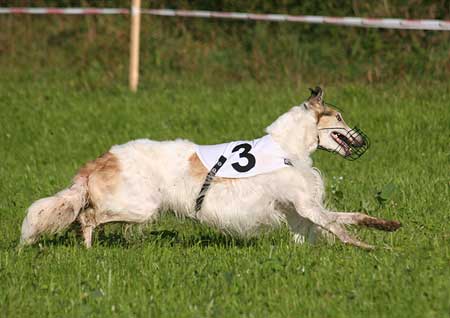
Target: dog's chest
[[242, 159]]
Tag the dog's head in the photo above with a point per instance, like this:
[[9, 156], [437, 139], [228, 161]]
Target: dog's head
[[334, 134]]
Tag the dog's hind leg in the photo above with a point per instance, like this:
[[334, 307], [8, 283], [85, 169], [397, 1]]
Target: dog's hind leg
[[88, 223], [355, 218], [127, 216], [90, 218]]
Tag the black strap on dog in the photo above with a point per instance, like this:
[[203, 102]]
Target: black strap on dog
[[206, 184], [209, 178]]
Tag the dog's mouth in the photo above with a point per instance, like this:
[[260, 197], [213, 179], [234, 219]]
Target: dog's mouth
[[354, 142], [343, 142]]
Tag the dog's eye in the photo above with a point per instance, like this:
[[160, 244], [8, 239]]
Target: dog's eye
[[338, 117]]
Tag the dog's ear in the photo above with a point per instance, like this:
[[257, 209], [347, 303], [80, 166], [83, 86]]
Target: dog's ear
[[315, 101], [316, 95]]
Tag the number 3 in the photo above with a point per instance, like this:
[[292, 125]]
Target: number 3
[[244, 154]]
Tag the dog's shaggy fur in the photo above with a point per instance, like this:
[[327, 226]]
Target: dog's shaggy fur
[[133, 182]]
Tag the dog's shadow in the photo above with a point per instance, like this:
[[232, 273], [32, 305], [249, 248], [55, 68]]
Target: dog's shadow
[[108, 237], [174, 238], [209, 238]]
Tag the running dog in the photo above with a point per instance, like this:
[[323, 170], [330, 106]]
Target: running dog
[[239, 187]]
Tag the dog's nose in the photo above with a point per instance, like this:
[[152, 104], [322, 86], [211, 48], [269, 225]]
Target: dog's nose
[[358, 141], [357, 138]]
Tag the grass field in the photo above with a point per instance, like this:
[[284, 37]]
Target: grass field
[[50, 125]]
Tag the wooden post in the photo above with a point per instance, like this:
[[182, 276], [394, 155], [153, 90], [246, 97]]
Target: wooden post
[[134, 44]]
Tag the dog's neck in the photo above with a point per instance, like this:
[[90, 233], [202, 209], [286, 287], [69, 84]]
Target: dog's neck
[[296, 132]]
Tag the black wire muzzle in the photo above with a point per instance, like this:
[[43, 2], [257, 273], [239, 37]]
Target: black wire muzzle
[[358, 143]]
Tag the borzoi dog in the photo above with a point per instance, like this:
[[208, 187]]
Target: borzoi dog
[[238, 187]]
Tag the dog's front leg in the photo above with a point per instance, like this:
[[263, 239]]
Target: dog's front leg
[[362, 219], [303, 230], [312, 211]]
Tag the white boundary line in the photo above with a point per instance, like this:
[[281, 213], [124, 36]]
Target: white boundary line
[[68, 11], [437, 25]]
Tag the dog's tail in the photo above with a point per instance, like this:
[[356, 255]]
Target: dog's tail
[[53, 214]]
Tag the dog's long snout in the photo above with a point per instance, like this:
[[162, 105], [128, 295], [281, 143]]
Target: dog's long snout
[[354, 139], [358, 141], [357, 138]]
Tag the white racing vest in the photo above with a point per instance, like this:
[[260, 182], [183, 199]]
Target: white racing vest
[[244, 158]]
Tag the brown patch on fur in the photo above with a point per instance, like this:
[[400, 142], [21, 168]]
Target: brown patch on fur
[[317, 107], [224, 180], [327, 118], [102, 176], [328, 112], [105, 166], [198, 171], [380, 224], [196, 168]]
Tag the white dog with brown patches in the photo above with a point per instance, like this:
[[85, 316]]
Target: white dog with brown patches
[[136, 181]]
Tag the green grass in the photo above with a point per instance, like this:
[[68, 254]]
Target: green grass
[[51, 124]]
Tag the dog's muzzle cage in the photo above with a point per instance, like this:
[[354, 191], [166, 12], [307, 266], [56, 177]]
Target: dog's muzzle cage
[[358, 143]]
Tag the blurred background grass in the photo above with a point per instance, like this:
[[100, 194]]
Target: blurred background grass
[[96, 47]]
